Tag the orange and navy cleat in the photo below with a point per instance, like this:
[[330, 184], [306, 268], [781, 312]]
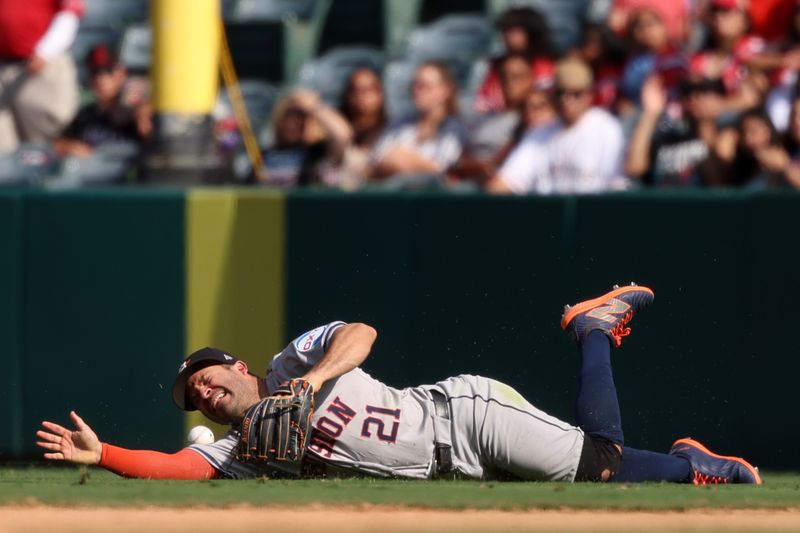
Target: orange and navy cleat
[[709, 468], [609, 313]]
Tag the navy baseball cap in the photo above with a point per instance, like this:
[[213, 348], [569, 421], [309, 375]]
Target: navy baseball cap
[[200, 359]]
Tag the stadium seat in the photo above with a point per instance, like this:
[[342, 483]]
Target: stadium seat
[[353, 22], [109, 164], [432, 10], [89, 36], [258, 49], [136, 48], [564, 17], [115, 12], [461, 36], [11, 175], [469, 90], [397, 78], [30, 164], [328, 74], [272, 9], [259, 99], [404, 15]]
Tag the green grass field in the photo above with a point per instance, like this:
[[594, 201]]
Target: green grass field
[[95, 487]]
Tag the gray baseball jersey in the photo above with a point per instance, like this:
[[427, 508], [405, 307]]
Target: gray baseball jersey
[[362, 426]]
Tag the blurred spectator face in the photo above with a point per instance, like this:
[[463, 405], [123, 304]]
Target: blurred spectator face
[[431, 91], [704, 99], [515, 39], [648, 30], [756, 133], [516, 80], [538, 109], [291, 127], [728, 22], [364, 93], [107, 84], [593, 45], [573, 90], [107, 75]]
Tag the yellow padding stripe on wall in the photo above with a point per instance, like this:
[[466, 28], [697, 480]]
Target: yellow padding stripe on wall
[[235, 276]]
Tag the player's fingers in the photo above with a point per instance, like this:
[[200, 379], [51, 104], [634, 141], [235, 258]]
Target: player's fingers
[[49, 446], [48, 436], [55, 428], [54, 456], [78, 421]]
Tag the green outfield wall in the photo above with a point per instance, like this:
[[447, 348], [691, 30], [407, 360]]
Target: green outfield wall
[[11, 264], [102, 293]]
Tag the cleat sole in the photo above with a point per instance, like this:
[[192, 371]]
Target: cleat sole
[[582, 307]]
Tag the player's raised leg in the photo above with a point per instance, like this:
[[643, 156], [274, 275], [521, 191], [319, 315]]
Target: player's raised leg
[[597, 325]]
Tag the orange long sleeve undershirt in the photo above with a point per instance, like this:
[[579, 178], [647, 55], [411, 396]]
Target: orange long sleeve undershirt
[[184, 464]]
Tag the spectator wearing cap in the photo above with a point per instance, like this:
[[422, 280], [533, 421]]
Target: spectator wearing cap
[[665, 151], [112, 117], [524, 31], [585, 154], [38, 80]]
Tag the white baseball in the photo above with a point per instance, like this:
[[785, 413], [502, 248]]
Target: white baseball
[[200, 435]]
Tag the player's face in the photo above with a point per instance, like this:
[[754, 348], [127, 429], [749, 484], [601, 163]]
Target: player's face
[[222, 392]]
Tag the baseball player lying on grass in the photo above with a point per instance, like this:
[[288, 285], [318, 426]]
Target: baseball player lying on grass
[[466, 426]]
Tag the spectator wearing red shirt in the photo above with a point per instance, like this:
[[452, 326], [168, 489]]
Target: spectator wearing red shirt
[[734, 55], [769, 17], [673, 13], [524, 31], [38, 81]]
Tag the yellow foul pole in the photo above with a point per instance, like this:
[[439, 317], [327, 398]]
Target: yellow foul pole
[[184, 74]]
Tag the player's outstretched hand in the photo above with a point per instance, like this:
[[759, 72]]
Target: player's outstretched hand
[[80, 446]]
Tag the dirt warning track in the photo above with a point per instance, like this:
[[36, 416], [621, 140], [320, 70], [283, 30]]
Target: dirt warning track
[[384, 519]]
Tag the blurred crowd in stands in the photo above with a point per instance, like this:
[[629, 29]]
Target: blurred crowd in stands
[[654, 93]]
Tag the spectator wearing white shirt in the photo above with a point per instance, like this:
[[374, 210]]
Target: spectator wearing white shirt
[[586, 154], [431, 141], [580, 152]]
